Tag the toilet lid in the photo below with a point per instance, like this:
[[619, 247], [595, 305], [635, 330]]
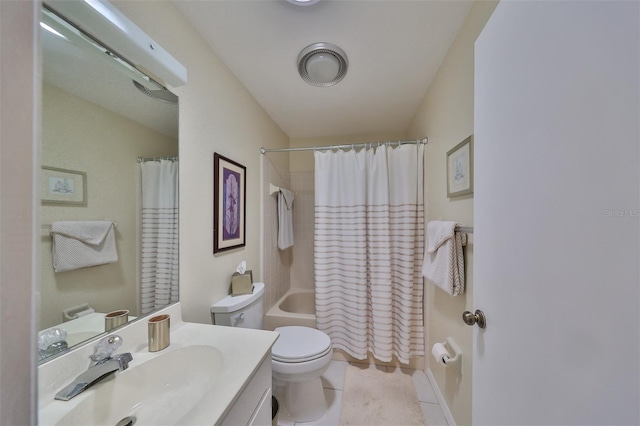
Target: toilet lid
[[299, 344]]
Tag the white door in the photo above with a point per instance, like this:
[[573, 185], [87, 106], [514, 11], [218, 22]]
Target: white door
[[556, 215]]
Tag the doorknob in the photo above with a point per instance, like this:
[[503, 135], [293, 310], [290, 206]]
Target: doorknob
[[477, 318]]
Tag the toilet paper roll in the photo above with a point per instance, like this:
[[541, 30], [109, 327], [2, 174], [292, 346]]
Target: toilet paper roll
[[440, 353]]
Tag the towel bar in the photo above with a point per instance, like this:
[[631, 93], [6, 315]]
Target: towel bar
[[48, 225], [467, 229], [273, 189]]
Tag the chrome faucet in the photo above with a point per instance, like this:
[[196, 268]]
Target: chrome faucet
[[103, 363]]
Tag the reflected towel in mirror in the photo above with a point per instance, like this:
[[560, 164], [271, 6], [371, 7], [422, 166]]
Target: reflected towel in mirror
[[81, 244]]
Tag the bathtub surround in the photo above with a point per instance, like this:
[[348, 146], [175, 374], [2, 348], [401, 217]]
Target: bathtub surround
[[368, 250], [276, 263], [302, 275]]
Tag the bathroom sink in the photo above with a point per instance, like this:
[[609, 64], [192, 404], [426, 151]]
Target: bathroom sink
[[162, 390]]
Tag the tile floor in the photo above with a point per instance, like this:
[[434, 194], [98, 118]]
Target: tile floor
[[333, 381]]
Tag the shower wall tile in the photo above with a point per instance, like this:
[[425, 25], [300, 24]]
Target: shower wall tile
[[302, 272], [276, 263]]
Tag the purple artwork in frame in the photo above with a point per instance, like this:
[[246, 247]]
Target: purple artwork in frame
[[229, 204]]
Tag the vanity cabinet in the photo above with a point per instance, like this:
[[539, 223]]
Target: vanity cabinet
[[253, 404]]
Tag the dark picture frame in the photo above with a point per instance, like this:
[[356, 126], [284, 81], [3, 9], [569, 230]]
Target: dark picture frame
[[229, 204]]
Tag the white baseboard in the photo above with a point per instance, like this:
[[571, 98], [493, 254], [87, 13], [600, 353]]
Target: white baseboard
[[441, 400]]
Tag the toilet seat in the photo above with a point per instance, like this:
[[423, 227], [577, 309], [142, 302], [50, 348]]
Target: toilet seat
[[300, 344]]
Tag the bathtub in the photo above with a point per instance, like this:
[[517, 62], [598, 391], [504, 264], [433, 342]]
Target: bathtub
[[296, 307]]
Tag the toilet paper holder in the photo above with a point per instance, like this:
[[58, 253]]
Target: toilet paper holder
[[455, 349]]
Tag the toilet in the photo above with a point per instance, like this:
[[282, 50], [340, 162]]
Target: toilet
[[298, 358]]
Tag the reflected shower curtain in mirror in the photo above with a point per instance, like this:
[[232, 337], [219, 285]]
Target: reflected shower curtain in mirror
[[369, 238], [159, 259]]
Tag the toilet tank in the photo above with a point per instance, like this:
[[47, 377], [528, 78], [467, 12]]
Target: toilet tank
[[245, 311]]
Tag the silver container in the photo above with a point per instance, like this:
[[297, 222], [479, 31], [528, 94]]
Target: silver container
[[159, 327], [115, 319]]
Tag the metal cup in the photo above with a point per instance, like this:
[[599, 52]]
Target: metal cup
[[159, 327], [115, 319]]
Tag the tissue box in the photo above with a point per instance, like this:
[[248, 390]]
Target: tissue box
[[241, 283]]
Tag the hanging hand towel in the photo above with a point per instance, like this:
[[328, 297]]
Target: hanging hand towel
[[285, 218], [443, 258], [82, 244]]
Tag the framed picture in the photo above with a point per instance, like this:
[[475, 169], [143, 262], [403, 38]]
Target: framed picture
[[62, 187], [229, 204], [460, 168]]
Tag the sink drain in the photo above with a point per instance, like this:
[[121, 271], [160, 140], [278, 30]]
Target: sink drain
[[127, 421]]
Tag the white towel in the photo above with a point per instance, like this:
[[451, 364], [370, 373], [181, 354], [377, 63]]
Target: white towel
[[443, 258], [82, 244], [285, 218]]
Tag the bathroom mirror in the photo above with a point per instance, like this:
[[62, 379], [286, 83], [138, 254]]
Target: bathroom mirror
[[96, 124]]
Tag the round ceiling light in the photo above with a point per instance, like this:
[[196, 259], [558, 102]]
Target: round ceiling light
[[303, 2], [322, 64]]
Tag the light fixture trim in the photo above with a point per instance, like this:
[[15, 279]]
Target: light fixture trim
[[303, 2], [322, 48]]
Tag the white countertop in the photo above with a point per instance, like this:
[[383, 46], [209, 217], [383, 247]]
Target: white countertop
[[242, 350]]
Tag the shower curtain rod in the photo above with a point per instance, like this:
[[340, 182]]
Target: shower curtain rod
[[143, 159], [345, 146]]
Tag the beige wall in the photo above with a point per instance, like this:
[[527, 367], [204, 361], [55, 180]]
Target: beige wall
[[80, 135], [217, 114], [19, 135], [446, 117]]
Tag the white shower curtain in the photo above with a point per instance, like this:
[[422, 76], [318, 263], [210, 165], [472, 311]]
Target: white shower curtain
[[159, 269], [369, 238]]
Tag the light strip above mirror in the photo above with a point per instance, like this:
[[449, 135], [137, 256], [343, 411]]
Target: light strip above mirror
[[124, 37], [60, 27]]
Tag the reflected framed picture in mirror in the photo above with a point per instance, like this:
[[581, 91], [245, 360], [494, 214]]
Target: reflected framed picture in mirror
[[229, 204], [62, 187]]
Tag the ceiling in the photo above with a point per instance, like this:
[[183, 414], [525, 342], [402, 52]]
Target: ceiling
[[394, 48]]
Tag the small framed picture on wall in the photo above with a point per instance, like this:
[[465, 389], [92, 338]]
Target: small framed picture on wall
[[460, 168], [229, 204], [62, 187]]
